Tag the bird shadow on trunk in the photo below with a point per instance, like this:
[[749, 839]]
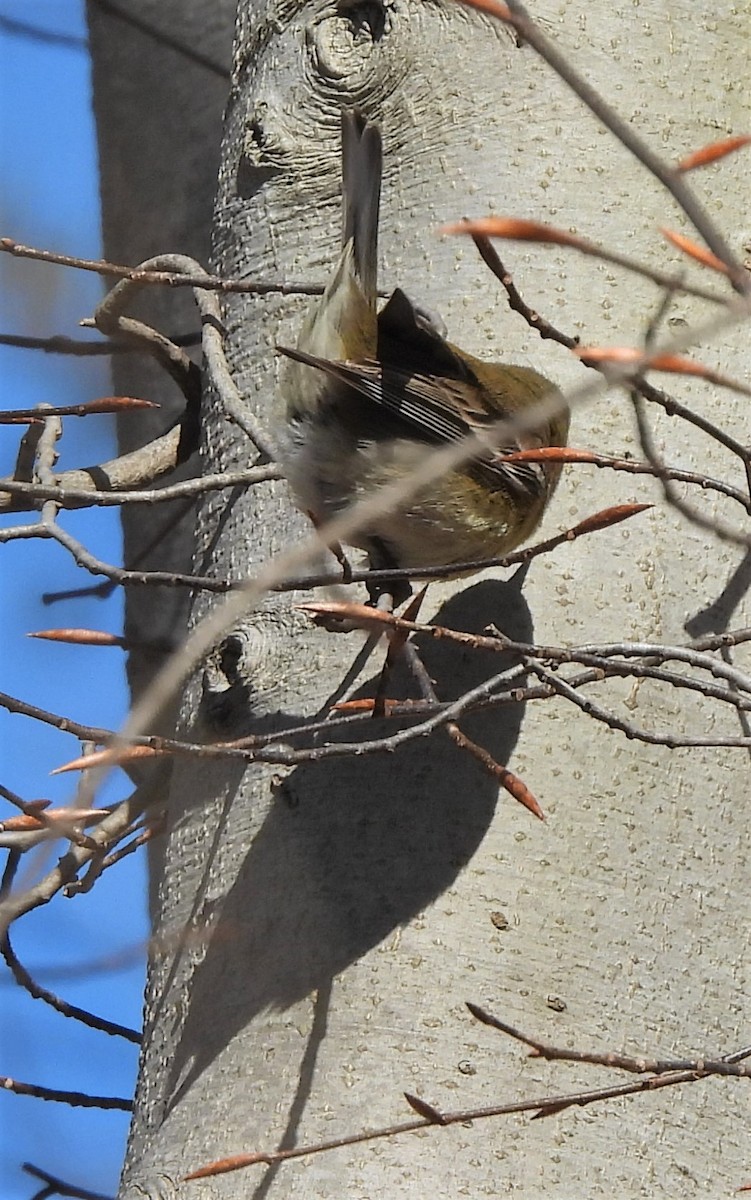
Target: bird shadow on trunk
[[355, 847]]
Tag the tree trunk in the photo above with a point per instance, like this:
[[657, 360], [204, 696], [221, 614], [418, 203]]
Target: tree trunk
[[320, 929], [159, 119], [160, 73]]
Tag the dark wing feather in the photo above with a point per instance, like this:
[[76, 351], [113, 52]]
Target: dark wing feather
[[416, 399], [420, 403]]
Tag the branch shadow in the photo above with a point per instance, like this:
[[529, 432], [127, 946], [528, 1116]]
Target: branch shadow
[[716, 616]]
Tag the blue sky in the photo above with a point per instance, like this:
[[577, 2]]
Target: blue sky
[[49, 199]]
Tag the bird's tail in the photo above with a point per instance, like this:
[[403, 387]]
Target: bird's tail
[[362, 160]]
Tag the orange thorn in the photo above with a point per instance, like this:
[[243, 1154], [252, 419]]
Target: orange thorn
[[713, 152], [699, 253], [79, 637], [108, 758], [517, 229], [607, 517]]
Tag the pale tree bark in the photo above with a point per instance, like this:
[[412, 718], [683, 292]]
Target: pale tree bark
[[320, 929]]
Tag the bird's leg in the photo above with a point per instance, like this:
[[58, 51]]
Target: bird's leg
[[341, 558], [386, 594], [336, 550]]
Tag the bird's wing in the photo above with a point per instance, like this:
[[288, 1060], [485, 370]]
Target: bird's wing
[[439, 412]]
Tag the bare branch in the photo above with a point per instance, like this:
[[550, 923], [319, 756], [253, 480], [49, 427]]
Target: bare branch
[[58, 1187], [515, 14], [75, 1099], [109, 830], [213, 283], [77, 497], [37, 992], [520, 229], [142, 466], [60, 344], [731, 1065]]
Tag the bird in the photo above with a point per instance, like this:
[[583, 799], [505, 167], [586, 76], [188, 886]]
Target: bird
[[368, 392]]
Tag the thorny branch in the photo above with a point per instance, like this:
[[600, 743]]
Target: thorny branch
[[59, 343], [661, 1073], [177, 444], [731, 1065], [516, 15]]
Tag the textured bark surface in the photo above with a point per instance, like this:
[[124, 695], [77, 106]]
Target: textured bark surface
[[322, 928]]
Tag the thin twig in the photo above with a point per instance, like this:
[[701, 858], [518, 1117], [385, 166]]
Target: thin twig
[[59, 343], [25, 980], [58, 1187], [106, 833], [731, 1065], [481, 230], [633, 732], [433, 1117], [75, 1099], [632, 466], [625, 132], [83, 498], [143, 466], [173, 279], [491, 258], [722, 531], [48, 36]]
